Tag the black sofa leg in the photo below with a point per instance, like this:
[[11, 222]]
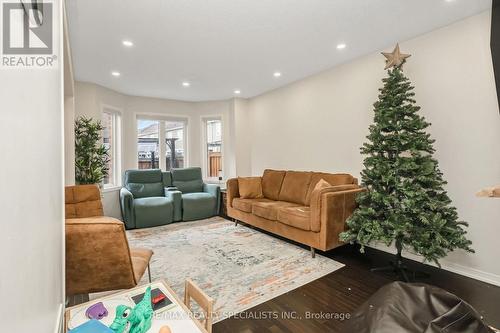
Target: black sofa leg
[[313, 252]]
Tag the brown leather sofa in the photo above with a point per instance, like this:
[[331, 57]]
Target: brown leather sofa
[[294, 209], [98, 257]]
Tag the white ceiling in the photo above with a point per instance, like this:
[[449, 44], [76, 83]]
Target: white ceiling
[[223, 45]]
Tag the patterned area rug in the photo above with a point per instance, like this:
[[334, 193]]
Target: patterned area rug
[[235, 265]]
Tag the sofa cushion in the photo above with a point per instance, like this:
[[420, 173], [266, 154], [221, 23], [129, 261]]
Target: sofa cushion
[[271, 183], [295, 187], [245, 205], [269, 209], [145, 190], [198, 205], [250, 187], [187, 180], [333, 179], [153, 211], [298, 217]]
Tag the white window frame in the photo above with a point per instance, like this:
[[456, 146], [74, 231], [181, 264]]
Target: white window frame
[[204, 139], [161, 118], [116, 143]]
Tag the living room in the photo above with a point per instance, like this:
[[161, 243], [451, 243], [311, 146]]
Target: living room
[[243, 166]]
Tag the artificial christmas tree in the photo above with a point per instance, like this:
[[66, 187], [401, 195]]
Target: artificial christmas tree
[[405, 202]]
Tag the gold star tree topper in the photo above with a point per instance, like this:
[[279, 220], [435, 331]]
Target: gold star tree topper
[[395, 58]]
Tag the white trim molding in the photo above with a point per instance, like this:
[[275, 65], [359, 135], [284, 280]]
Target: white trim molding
[[59, 326], [470, 272]]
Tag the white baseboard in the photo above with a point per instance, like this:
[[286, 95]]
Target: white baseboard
[[473, 273], [59, 320]]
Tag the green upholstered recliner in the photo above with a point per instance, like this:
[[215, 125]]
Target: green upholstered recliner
[[199, 200], [146, 199]]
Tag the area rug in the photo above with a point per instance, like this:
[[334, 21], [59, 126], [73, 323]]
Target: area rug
[[237, 266]]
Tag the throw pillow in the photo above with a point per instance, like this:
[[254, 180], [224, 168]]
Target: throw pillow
[[321, 184], [250, 187]]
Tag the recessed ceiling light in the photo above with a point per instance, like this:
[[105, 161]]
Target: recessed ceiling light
[[277, 74], [237, 92], [115, 73], [186, 84], [127, 43], [341, 46]]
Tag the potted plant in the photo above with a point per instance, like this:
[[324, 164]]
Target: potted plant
[[91, 156]]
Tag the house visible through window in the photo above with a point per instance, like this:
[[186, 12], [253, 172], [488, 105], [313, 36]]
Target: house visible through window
[[111, 121], [214, 148], [172, 136], [148, 147], [174, 139]]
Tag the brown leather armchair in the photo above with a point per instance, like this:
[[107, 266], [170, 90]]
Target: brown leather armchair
[[98, 257]]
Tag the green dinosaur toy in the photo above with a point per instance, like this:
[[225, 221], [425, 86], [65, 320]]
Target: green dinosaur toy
[[134, 320]]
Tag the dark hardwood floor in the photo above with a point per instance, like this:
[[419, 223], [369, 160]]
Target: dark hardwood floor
[[333, 297]]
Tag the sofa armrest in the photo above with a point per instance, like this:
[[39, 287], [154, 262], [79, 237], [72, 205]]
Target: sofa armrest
[[319, 202], [176, 197], [333, 211], [127, 207], [232, 191], [97, 256], [214, 190]]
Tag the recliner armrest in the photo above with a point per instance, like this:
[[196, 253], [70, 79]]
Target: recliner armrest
[[171, 188], [176, 197], [213, 189], [127, 207]]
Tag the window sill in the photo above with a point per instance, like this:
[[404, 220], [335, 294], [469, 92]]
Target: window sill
[[111, 188], [213, 181]]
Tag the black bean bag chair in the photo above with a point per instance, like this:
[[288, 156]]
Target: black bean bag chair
[[410, 307]]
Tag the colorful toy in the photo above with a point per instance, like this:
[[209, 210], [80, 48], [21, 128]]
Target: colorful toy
[[159, 299], [137, 319], [91, 326], [96, 311], [165, 329]]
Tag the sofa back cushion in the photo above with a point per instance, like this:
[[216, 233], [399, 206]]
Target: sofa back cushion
[[82, 201], [250, 187], [145, 190], [333, 179], [295, 186], [271, 183], [187, 180], [144, 183]]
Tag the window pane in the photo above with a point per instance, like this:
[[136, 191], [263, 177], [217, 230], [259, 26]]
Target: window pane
[[148, 143], [214, 148], [107, 137], [174, 139]]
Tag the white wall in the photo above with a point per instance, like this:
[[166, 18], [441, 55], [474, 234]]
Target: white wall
[[320, 122], [32, 176], [89, 99], [243, 137]]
